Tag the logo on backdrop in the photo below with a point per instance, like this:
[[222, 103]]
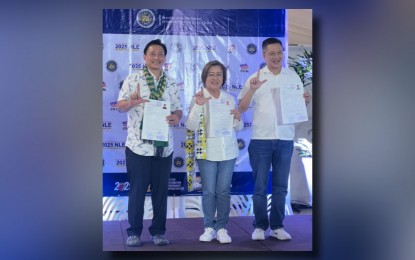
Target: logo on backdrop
[[124, 47], [107, 125], [244, 67], [113, 145], [121, 186], [176, 47], [121, 47], [204, 48], [241, 143], [135, 47], [251, 48], [232, 87], [136, 66], [113, 106], [124, 125], [180, 125], [145, 18], [231, 48], [111, 65], [247, 124], [178, 162], [120, 162]]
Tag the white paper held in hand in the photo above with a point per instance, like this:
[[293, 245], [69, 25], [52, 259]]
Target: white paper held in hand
[[155, 126]]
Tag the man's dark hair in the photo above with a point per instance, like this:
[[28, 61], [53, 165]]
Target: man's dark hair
[[156, 42], [208, 66], [269, 41]]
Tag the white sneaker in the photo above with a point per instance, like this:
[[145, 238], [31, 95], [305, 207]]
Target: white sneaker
[[208, 235], [258, 234], [280, 234], [223, 237]]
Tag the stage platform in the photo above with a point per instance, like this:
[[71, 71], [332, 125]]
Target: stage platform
[[184, 233]]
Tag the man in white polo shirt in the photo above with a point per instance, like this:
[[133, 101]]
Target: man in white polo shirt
[[271, 142]]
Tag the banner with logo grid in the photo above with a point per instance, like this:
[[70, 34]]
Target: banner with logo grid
[[193, 37]]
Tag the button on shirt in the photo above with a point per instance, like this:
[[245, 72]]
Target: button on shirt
[[135, 114], [264, 124], [228, 145]]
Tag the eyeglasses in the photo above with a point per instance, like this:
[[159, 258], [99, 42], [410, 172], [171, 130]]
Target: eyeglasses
[[211, 75], [275, 54]]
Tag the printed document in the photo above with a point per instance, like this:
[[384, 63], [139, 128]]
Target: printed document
[[155, 126], [220, 118], [290, 104]]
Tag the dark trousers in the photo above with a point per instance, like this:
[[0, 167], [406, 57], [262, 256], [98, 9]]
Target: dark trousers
[[143, 171]]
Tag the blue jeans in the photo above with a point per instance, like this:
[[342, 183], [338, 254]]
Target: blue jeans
[[262, 155], [216, 188]]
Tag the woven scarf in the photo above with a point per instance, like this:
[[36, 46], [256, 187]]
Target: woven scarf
[[156, 93], [190, 150]]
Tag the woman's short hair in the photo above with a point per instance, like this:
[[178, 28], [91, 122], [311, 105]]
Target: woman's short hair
[[207, 68]]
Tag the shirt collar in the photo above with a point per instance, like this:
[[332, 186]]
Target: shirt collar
[[155, 79], [207, 94], [267, 71]]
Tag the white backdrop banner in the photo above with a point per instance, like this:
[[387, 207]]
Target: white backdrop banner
[[193, 38]]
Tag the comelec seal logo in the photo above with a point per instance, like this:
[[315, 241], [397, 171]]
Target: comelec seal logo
[[241, 144], [111, 65], [178, 162], [251, 48], [145, 18]]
